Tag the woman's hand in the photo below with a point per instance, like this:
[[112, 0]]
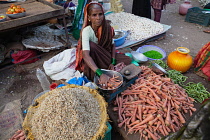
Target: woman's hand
[[104, 80], [111, 67]]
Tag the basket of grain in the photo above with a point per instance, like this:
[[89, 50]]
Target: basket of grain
[[70, 112]]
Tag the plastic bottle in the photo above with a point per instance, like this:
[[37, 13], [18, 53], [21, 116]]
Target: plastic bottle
[[43, 79]]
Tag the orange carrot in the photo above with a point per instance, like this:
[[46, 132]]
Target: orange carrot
[[182, 120], [172, 103], [151, 135], [161, 119], [119, 103], [121, 124], [157, 126], [139, 128], [176, 120], [172, 127], [177, 102], [161, 130], [176, 106], [168, 116], [180, 98], [140, 112], [147, 119], [151, 107], [155, 95], [136, 122], [153, 121], [164, 129], [190, 113], [149, 102], [193, 109], [133, 118], [165, 102], [141, 136]]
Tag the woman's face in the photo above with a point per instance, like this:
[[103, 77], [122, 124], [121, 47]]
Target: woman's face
[[96, 16]]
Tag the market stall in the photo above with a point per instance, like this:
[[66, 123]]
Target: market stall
[[143, 102], [140, 30], [36, 11]]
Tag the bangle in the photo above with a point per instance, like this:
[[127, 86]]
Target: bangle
[[113, 61], [99, 72]]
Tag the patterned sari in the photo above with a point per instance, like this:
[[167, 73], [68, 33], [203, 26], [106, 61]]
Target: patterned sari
[[202, 60]]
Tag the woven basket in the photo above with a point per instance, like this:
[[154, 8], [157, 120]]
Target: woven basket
[[147, 48], [27, 124]]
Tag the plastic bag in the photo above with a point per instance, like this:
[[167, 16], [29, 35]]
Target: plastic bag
[[78, 81], [21, 56]]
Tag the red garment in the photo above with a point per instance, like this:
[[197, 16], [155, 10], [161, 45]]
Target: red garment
[[206, 69], [161, 4], [202, 60]]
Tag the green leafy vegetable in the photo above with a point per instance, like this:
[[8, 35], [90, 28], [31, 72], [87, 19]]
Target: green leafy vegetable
[[160, 63], [153, 54]]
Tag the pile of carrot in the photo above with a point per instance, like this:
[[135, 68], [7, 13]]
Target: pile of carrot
[[153, 106], [113, 83]]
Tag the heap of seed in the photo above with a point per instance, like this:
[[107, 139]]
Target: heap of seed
[[71, 113]]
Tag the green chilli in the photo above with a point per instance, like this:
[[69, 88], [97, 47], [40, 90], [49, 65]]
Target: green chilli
[[197, 91], [177, 77]]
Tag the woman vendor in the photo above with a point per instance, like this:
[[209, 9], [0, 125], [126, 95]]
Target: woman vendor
[[96, 49]]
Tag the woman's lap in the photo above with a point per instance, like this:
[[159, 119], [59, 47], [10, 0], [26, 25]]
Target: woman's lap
[[102, 59]]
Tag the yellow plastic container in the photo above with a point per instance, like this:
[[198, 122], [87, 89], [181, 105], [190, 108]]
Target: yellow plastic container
[[180, 59]]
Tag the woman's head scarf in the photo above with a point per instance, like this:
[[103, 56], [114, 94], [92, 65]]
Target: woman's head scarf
[[105, 34]]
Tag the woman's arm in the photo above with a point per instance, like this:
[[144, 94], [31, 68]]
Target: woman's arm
[[88, 60], [113, 51]]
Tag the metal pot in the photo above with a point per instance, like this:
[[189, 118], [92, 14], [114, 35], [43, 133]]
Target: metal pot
[[120, 37]]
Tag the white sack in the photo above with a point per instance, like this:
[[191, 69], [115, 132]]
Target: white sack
[[62, 65]]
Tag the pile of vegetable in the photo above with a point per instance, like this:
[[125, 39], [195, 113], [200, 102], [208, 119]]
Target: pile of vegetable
[[153, 106], [139, 27], [67, 113], [153, 54], [177, 77], [196, 91], [112, 83]]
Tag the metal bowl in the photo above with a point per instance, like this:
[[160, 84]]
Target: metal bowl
[[110, 73], [139, 57], [18, 15], [147, 48], [158, 69], [120, 37], [3, 19], [118, 34]]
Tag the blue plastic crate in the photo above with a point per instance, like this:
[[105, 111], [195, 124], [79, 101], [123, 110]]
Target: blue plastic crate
[[107, 135]]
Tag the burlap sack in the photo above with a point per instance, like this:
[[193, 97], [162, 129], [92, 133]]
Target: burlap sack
[[10, 119]]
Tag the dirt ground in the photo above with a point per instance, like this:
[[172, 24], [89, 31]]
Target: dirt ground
[[25, 85]]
